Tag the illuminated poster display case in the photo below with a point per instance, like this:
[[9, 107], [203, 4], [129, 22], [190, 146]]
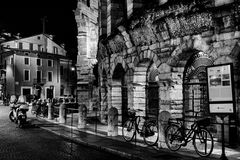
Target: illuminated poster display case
[[220, 84]]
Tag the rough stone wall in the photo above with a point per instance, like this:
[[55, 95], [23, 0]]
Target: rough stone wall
[[86, 18], [166, 37]]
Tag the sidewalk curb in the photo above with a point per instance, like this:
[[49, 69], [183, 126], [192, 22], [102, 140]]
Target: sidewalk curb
[[100, 148], [123, 154]]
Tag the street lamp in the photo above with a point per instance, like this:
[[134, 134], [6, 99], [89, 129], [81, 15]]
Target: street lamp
[[72, 68], [73, 81]]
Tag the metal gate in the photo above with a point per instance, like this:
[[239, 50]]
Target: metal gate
[[195, 84], [195, 98]]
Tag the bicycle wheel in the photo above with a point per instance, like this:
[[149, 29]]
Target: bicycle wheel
[[203, 142], [128, 130], [150, 131], [173, 137]]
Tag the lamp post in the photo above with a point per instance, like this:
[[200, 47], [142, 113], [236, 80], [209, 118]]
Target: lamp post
[[73, 76]]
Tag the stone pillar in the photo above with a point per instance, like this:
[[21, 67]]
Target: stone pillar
[[109, 92], [103, 116], [113, 122], [163, 122], [82, 115], [109, 17], [50, 110], [62, 113], [129, 8]]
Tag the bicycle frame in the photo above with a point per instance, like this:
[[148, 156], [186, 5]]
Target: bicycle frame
[[136, 121], [187, 134]]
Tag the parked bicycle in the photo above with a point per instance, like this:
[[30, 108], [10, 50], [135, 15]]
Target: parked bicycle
[[177, 135], [40, 108], [149, 130]]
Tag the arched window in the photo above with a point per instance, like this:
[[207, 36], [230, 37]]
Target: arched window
[[195, 84]]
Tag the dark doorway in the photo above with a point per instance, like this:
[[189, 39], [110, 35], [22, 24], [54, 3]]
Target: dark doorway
[[27, 92], [49, 93], [38, 92], [119, 76], [124, 104], [153, 100]]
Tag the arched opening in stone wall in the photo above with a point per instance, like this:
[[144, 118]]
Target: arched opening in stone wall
[[120, 93], [152, 92], [195, 85]]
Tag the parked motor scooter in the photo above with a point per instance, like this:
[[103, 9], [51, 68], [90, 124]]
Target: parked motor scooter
[[13, 107], [21, 111]]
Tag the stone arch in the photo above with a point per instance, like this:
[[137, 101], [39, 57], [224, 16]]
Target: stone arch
[[188, 46], [147, 54], [118, 60], [119, 92], [195, 84]]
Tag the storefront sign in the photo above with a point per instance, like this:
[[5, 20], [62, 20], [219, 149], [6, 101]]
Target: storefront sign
[[220, 89]]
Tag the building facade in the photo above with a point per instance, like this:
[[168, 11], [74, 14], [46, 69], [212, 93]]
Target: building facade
[[154, 57], [86, 15], [36, 66]]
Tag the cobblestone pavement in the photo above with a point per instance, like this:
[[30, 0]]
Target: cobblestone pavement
[[33, 143]]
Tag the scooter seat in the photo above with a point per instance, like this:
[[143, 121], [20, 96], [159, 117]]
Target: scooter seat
[[24, 107]]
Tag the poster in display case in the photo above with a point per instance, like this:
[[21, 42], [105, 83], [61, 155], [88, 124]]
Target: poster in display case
[[220, 89]]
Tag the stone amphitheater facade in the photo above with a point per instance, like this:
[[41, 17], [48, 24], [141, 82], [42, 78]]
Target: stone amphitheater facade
[[155, 58]]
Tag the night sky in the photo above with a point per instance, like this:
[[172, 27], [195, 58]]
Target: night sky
[[24, 17]]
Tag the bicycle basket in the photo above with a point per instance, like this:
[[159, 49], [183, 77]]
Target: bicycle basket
[[204, 122]]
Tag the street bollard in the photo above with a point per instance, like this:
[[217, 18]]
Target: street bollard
[[113, 122], [50, 110], [163, 117], [62, 117], [82, 115], [103, 117]]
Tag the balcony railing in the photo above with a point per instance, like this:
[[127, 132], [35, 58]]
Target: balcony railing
[[39, 81]]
